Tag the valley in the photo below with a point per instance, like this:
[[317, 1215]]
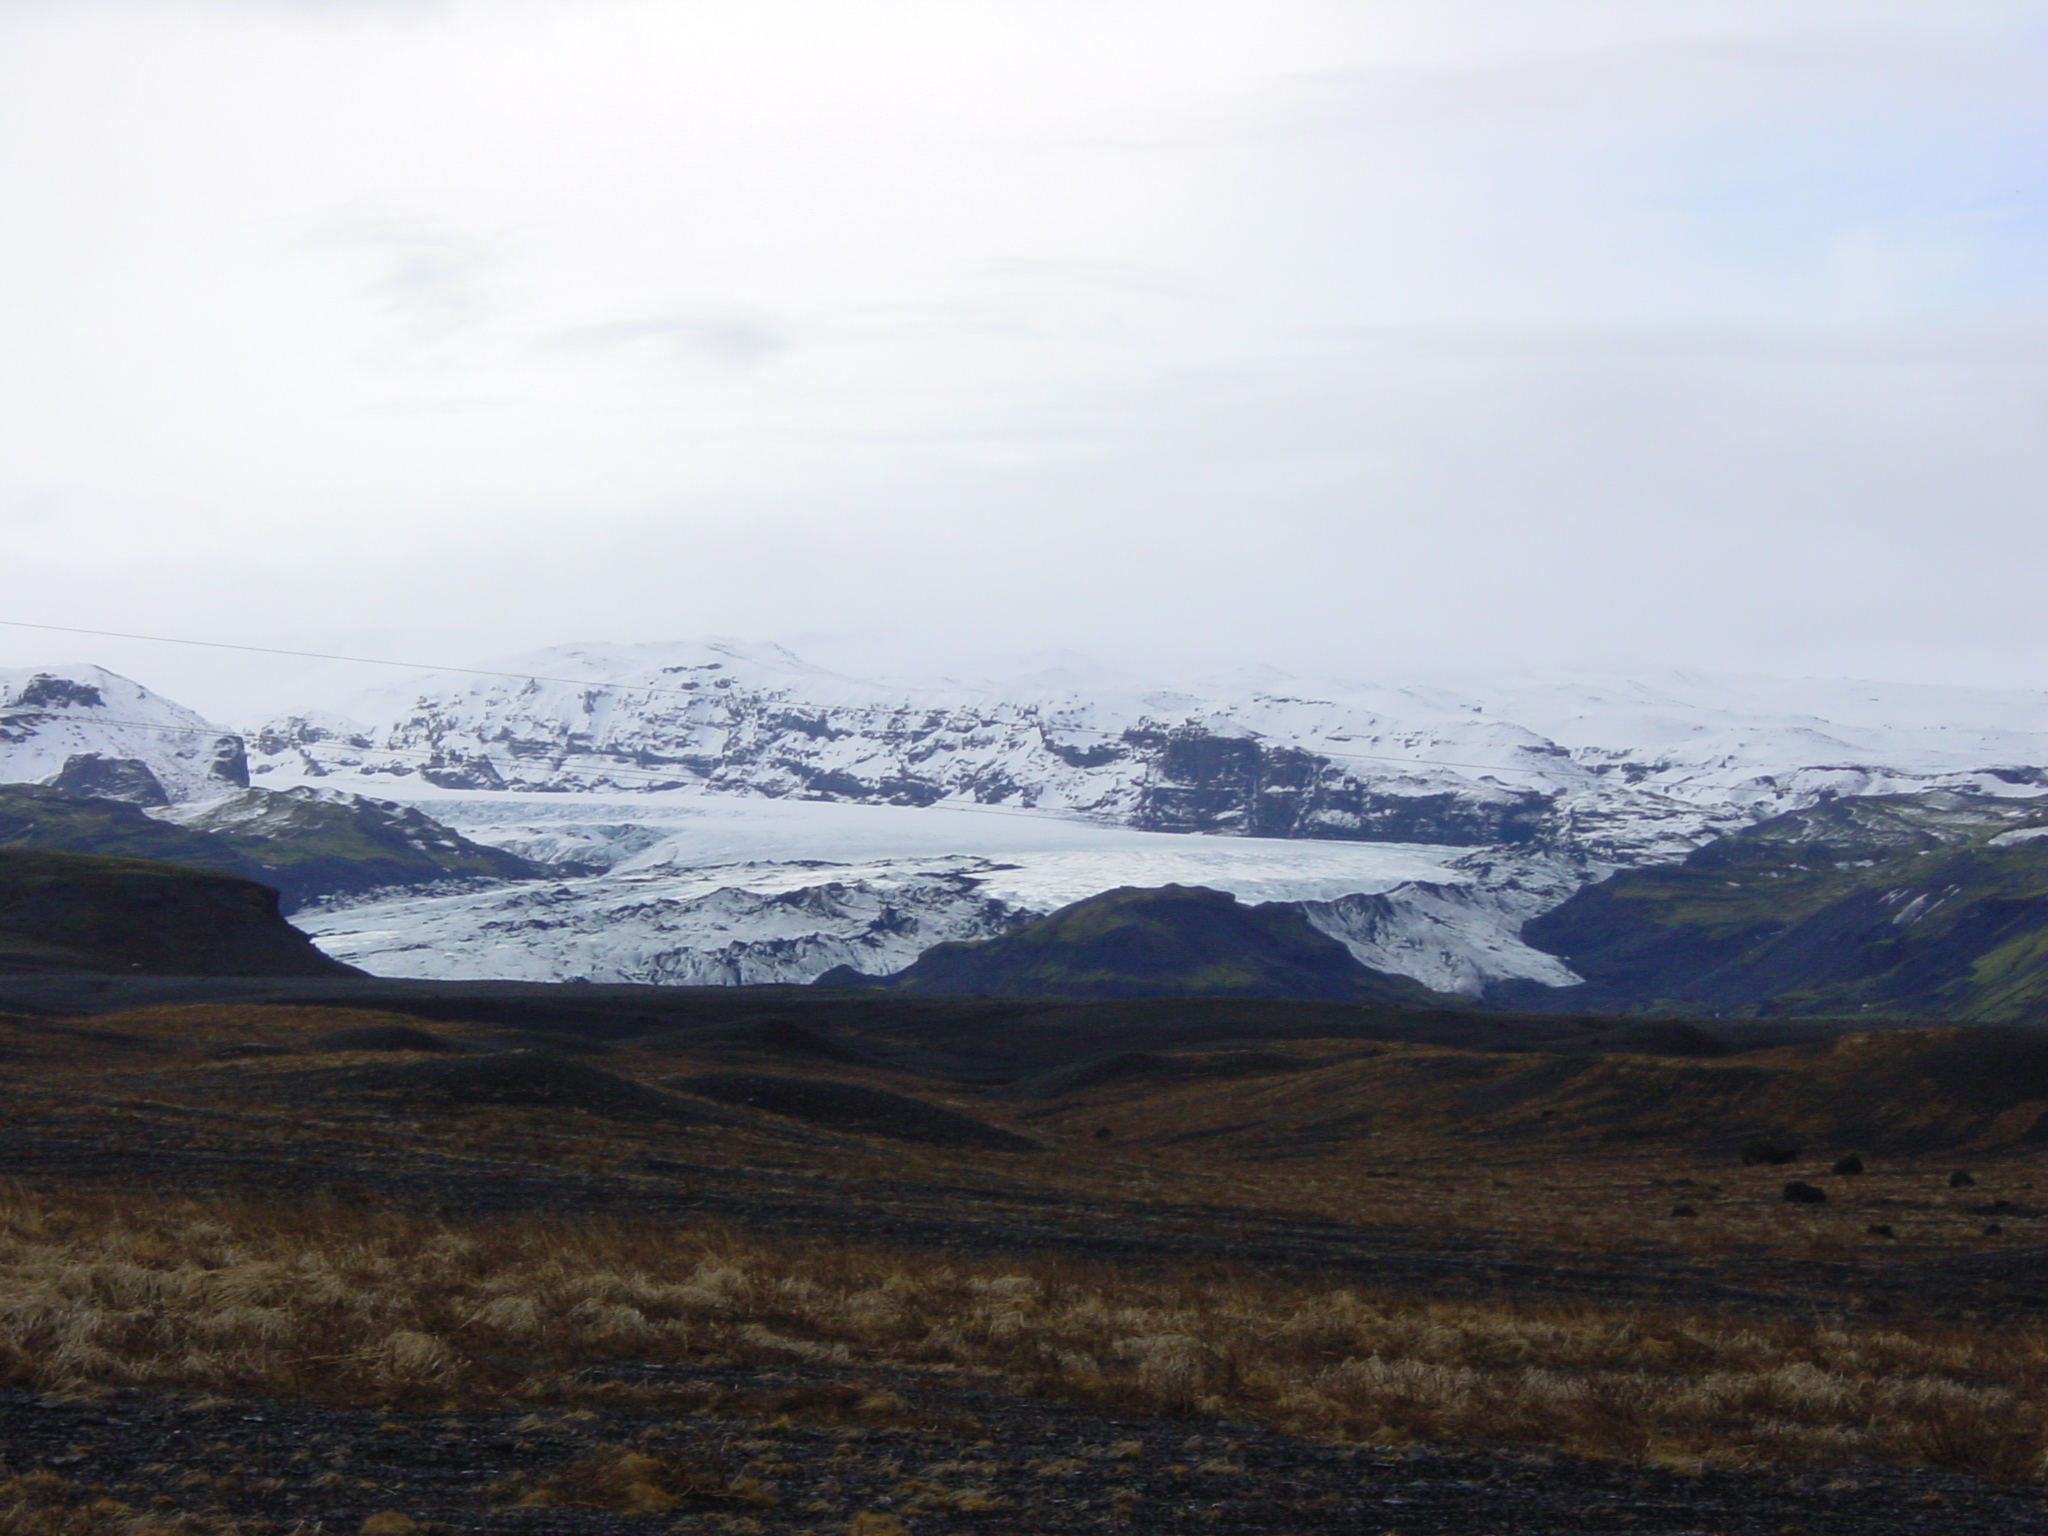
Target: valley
[[706, 812], [721, 1097]]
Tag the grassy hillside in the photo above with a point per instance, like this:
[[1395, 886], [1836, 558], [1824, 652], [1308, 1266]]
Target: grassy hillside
[[1174, 941], [303, 844], [1925, 905], [312, 845]]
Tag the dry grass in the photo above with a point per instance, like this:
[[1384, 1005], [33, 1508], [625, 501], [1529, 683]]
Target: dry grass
[[98, 1291], [46, 1504]]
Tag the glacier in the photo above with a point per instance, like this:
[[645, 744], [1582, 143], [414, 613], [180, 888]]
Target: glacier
[[717, 890], [726, 813]]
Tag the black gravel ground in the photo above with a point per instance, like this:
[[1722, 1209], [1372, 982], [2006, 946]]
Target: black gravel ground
[[795, 1452]]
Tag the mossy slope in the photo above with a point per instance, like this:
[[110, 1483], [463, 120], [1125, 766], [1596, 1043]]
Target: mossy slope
[[305, 844], [1172, 941], [312, 844], [33, 816], [1933, 905]]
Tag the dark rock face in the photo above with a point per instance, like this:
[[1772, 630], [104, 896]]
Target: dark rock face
[[1203, 783], [68, 912], [1175, 941], [110, 778], [47, 692], [1799, 1192], [230, 763]]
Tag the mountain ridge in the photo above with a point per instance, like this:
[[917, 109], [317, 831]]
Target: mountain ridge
[[1274, 757]]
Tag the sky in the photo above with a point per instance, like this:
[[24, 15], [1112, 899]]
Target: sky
[[1383, 339]]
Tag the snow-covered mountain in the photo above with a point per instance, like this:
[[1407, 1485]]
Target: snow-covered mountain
[[724, 812], [1619, 772], [89, 719]]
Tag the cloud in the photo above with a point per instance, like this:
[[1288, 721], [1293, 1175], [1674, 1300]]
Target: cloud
[[1707, 332], [732, 341]]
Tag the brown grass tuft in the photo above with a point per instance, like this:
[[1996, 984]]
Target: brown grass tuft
[[339, 1303]]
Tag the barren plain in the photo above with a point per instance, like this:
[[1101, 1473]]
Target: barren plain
[[298, 1267]]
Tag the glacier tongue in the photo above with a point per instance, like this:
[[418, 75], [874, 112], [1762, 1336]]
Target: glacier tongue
[[1456, 938], [680, 908], [675, 931]]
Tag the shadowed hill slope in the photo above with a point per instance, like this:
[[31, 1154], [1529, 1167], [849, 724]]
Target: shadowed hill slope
[[1173, 941], [70, 912], [1897, 1093]]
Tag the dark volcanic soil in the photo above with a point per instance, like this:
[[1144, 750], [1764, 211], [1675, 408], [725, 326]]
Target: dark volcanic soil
[[814, 1452], [366, 1156], [246, 1104]]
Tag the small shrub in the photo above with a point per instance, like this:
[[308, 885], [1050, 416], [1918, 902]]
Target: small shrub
[[1768, 1150]]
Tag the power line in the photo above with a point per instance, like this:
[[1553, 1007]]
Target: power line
[[680, 693]]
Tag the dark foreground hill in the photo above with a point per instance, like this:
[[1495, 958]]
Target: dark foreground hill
[[1172, 941], [69, 913]]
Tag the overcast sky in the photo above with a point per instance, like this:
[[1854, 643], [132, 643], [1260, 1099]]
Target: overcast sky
[[1372, 339]]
